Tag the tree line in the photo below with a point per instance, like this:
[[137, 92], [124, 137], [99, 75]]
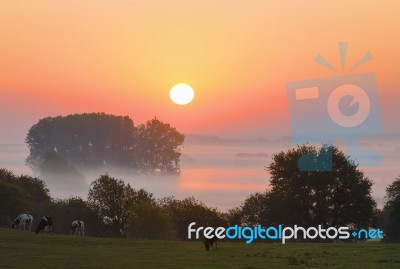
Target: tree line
[[91, 140], [341, 197]]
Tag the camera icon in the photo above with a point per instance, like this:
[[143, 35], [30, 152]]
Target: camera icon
[[332, 108]]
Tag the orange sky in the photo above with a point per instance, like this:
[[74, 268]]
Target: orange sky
[[122, 57]]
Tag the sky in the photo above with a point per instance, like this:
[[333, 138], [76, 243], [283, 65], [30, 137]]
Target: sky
[[122, 57]]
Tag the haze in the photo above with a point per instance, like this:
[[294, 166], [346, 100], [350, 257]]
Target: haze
[[64, 57]]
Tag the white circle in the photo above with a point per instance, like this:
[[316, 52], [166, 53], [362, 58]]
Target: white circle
[[359, 95], [181, 94]]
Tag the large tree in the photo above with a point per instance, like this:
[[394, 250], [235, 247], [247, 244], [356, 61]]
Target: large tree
[[330, 198], [97, 139], [85, 140], [158, 147], [114, 200], [390, 215], [21, 194]]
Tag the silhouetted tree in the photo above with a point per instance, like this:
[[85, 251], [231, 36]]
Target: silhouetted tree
[[332, 198], [254, 209], [183, 212], [74, 208], [113, 200], [234, 216], [13, 201], [86, 140], [21, 194], [150, 221], [158, 148], [389, 218], [98, 139]]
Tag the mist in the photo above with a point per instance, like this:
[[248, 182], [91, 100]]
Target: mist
[[219, 172]]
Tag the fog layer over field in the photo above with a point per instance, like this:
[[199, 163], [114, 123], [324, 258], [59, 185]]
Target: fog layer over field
[[220, 172]]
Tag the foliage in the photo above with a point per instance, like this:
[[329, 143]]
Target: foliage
[[12, 200], [20, 194], [84, 139], [98, 139], [113, 200], [336, 198], [158, 147], [254, 209], [150, 221], [74, 208], [183, 212], [390, 215]]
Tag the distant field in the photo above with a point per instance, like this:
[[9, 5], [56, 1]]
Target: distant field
[[23, 250]]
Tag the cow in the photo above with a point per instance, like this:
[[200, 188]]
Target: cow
[[210, 242], [45, 225], [21, 221], [77, 227]]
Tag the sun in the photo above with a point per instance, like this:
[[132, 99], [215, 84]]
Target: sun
[[181, 94]]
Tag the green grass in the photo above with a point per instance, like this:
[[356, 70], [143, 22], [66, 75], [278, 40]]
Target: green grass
[[26, 250]]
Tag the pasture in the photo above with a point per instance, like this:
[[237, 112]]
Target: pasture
[[27, 250]]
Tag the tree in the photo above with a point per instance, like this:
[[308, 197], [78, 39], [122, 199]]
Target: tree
[[85, 140], [234, 216], [13, 201], [335, 198], [390, 215], [183, 212], [21, 194], [101, 140], [74, 208], [36, 190], [254, 209], [158, 149], [113, 200], [150, 221]]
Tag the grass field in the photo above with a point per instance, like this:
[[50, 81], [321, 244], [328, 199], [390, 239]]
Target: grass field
[[26, 250]]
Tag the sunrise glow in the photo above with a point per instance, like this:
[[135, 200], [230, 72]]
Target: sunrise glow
[[181, 94]]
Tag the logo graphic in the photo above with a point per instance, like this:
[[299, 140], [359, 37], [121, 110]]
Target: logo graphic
[[250, 233], [328, 109]]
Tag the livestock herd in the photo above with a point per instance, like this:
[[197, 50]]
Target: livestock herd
[[25, 222]]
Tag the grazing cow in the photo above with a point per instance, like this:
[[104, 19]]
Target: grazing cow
[[77, 227], [46, 224], [21, 221], [210, 243]]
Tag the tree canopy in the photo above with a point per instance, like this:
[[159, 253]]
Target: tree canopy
[[113, 201], [390, 215], [330, 198], [97, 139], [21, 194]]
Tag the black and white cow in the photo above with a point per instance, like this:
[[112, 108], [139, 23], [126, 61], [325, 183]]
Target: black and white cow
[[21, 221], [45, 225], [78, 227]]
